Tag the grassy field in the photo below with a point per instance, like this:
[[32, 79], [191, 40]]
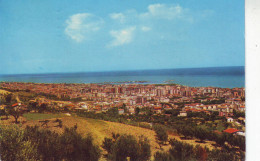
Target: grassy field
[[99, 129], [41, 116], [4, 91]]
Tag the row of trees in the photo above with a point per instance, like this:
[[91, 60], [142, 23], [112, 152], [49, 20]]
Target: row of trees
[[186, 127], [180, 151], [33, 143], [204, 134]]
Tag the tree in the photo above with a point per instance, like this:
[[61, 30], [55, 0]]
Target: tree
[[201, 133], [8, 98], [127, 147], [161, 134], [113, 112], [43, 107], [107, 144], [15, 112], [75, 147], [14, 146], [137, 110], [185, 130], [181, 151], [162, 156]]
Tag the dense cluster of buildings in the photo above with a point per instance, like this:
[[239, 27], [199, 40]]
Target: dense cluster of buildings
[[101, 97]]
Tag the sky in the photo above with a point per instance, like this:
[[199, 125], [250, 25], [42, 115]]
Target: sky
[[49, 36]]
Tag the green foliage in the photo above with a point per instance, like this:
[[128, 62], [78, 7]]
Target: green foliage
[[161, 134], [107, 145], [137, 110], [14, 146], [201, 133], [41, 116], [126, 146], [145, 125], [238, 114], [163, 156], [113, 112], [219, 101], [173, 112], [15, 112], [187, 131], [75, 147], [41, 144], [221, 155], [181, 151], [9, 99]]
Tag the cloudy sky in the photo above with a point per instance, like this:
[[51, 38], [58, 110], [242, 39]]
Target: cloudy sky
[[49, 36]]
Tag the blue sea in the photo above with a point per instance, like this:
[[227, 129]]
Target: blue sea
[[225, 77]]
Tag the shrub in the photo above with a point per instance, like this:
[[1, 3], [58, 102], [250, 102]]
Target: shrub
[[126, 146]]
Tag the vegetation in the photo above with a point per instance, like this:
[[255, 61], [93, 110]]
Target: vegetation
[[41, 116], [161, 134], [185, 152], [124, 147], [33, 143]]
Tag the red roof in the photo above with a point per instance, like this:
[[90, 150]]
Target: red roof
[[157, 108], [16, 104], [231, 130]]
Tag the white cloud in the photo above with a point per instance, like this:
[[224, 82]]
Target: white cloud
[[145, 28], [118, 16], [163, 11], [80, 25], [122, 37]]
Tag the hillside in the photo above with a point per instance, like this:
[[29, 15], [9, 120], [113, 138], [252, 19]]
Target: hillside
[[98, 128]]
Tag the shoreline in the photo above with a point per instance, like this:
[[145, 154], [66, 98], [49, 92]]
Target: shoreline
[[144, 83]]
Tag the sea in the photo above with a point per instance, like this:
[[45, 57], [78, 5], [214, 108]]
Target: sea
[[224, 77]]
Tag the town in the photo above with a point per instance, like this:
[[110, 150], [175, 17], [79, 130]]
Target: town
[[157, 97], [210, 116]]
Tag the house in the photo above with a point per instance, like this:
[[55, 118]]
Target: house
[[121, 111], [183, 113], [230, 119], [241, 133], [157, 109]]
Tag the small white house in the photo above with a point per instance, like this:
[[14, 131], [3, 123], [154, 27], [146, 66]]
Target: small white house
[[183, 113], [229, 119]]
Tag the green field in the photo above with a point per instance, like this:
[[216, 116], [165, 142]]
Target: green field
[[41, 116]]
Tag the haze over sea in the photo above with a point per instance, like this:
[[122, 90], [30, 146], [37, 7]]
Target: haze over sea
[[225, 77]]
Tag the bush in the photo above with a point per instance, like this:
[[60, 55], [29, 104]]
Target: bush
[[14, 146], [41, 144], [181, 151], [161, 134], [162, 156], [126, 146], [145, 125]]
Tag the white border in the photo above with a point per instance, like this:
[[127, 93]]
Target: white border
[[252, 39]]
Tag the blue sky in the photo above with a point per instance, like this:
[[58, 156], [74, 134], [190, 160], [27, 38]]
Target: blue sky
[[85, 35]]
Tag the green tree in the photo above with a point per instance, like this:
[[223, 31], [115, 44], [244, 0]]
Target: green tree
[[161, 134], [127, 147], [201, 133], [137, 110], [107, 144], [14, 146], [15, 112], [181, 151], [162, 156]]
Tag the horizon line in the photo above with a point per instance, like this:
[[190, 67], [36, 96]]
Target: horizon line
[[119, 70]]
